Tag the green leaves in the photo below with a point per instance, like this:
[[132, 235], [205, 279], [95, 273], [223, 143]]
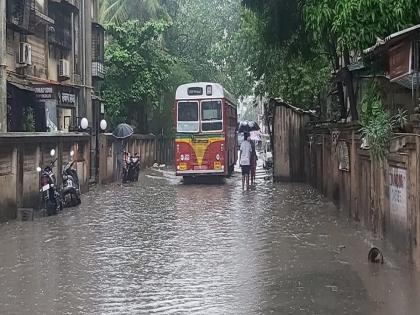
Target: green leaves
[[377, 122], [356, 24], [137, 68]]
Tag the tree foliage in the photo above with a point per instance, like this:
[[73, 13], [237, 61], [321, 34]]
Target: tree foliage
[[202, 39], [336, 29], [137, 69], [118, 11], [206, 35]]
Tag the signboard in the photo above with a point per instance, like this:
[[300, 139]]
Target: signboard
[[195, 91], [343, 156], [398, 195], [67, 98], [44, 93], [400, 60], [334, 136]]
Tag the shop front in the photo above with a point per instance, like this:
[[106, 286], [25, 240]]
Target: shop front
[[60, 106], [24, 112]]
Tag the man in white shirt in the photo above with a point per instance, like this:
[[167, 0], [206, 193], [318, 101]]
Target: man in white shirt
[[245, 160]]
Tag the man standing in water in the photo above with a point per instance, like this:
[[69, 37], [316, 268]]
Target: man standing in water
[[245, 160]]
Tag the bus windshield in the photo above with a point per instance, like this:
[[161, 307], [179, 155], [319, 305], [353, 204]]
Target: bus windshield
[[211, 115], [188, 117]]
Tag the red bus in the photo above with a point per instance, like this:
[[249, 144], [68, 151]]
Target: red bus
[[206, 123]]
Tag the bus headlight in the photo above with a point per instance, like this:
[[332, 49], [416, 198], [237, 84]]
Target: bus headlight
[[182, 157], [218, 156]]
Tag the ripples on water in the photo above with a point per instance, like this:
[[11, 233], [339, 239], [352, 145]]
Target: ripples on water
[[163, 247]]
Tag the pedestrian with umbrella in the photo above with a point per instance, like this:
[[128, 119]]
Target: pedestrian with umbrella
[[245, 160], [122, 132], [251, 128]]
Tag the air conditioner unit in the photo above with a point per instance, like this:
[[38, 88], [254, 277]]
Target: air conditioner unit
[[64, 68], [25, 54]]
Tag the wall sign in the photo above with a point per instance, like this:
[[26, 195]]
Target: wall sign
[[44, 93], [343, 156], [398, 195], [334, 136], [67, 98]]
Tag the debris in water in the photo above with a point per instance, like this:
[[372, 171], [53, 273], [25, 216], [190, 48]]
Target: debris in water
[[375, 256]]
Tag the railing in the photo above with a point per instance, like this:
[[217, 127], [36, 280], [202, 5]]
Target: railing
[[98, 69]]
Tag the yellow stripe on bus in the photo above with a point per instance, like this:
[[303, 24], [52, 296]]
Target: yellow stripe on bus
[[200, 145]]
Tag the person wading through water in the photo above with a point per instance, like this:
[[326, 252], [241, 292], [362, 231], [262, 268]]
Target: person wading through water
[[245, 160]]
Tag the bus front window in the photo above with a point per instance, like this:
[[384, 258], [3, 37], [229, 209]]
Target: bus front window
[[211, 116], [188, 117]]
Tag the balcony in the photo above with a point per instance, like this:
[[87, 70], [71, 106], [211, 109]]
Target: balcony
[[60, 38], [69, 5], [38, 15], [18, 14], [59, 35], [98, 70]]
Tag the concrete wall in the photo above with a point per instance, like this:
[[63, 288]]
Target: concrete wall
[[21, 154], [382, 195], [110, 148]]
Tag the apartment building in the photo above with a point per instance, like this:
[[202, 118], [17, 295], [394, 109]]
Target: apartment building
[[55, 64]]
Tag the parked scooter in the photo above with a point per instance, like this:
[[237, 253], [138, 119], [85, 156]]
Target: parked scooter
[[50, 194], [132, 169], [71, 187]]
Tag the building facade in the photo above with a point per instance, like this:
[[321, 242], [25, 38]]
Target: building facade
[[53, 48]]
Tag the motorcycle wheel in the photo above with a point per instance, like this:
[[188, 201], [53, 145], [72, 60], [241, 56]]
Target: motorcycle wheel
[[51, 207]]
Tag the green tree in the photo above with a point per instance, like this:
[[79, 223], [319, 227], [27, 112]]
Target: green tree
[[118, 11], [287, 69], [345, 27], [206, 36], [138, 67]]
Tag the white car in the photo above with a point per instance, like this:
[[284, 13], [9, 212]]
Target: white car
[[267, 155]]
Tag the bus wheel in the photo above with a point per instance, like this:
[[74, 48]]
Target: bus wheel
[[187, 180]]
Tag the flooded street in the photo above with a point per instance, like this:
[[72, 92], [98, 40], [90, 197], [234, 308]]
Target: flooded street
[[162, 247]]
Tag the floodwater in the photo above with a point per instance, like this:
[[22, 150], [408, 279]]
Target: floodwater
[[162, 247]]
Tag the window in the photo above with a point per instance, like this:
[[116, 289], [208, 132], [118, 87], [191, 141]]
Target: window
[[188, 117], [211, 116]]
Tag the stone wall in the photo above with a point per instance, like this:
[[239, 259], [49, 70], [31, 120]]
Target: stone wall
[[110, 150], [22, 153], [382, 195]]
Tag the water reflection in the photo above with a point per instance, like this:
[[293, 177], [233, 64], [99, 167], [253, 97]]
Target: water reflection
[[163, 247]]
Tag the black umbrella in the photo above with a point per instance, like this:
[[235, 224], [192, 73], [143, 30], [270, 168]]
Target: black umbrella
[[123, 131], [244, 126], [248, 126], [253, 126]]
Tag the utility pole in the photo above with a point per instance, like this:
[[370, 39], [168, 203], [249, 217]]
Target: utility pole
[[3, 84]]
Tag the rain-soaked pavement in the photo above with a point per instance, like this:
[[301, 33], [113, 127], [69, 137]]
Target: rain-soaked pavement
[[161, 247]]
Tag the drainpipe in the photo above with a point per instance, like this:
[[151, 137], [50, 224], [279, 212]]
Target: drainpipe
[[3, 84]]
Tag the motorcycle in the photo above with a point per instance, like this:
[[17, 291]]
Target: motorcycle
[[49, 191], [71, 187], [132, 169]]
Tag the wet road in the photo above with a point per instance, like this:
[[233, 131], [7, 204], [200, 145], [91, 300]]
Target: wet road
[[161, 247]]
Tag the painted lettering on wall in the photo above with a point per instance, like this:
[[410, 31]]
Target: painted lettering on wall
[[398, 195]]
